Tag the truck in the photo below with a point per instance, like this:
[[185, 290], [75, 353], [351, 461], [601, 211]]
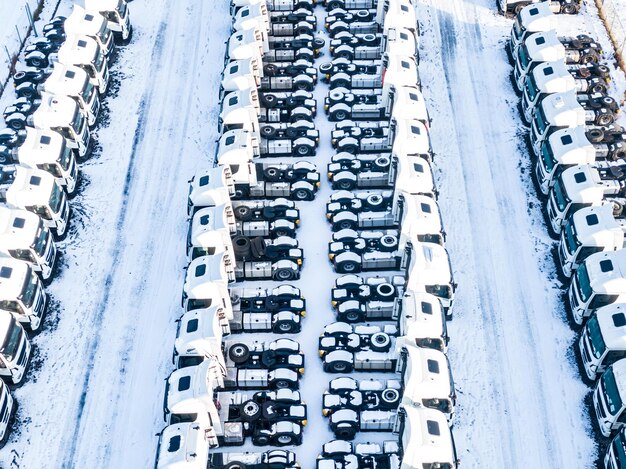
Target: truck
[[380, 210], [401, 136], [342, 453], [584, 186], [602, 341], [21, 293], [38, 192], [549, 47], [273, 5], [555, 77], [67, 80], [398, 70], [61, 114], [600, 280], [25, 237], [272, 459], [616, 452], [564, 110], [568, 7], [372, 46], [193, 393], [15, 350], [80, 51], [46, 150], [576, 146], [241, 144], [245, 74], [372, 405], [589, 230], [92, 24], [7, 409], [376, 104], [392, 13], [280, 23], [534, 18], [608, 398], [117, 15]]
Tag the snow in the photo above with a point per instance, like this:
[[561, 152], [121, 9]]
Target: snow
[[93, 397]]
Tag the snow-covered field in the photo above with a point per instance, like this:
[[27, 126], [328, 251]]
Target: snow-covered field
[[94, 395]]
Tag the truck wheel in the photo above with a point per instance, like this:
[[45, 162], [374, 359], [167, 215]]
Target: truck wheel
[[239, 353], [605, 119], [345, 225], [326, 67], [595, 135], [280, 384], [619, 153], [271, 173], [345, 185], [268, 131], [603, 71], [303, 85], [250, 411], [569, 9], [609, 102], [333, 5], [318, 43], [518, 8], [385, 290], [382, 162], [284, 275], [260, 440], [345, 431], [347, 267], [374, 201], [285, 327], [235, 465], [243, 213], [284, 232], [589, 58], [345, 54], [292, 132], [341, 83], [390, 397], [285, 439], [350, 148], [241, 246], [302, 194], [16, 124], [338, 367], [380, 342], [339, 115], [368, 39], [388, 243], [352, 316], [269, 100], [303, 150], [270, 69]]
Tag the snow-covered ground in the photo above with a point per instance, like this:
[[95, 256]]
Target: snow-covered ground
[[94, 395]]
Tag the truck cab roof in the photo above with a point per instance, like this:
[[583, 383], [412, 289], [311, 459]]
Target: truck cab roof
[[422, 215], [200, 332], [426, 376], [563, 109], [537, 17], [571, 146], [183, 446], [544, 47], [211, 187], [400, 13], [401, 70], [612, 322], [241, 74], [245, 45], [18, 228], [553, 77], [13, 274], [204, 274], [240, 108], [426, 439], [78, 49], [67, 80], [411, 138], [401, 41], [430, 265], [41, 146], [236, 147], [607, 272], [85, 22], [189, 389], [587, 183], [55, 111], [251, 16], [30, 187], [410, 104], [415, 176], [207, 220], [422, 315], [597, 226]]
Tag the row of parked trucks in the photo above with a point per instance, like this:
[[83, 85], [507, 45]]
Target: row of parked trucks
[[244, 216], [61, 78], [580, 161]]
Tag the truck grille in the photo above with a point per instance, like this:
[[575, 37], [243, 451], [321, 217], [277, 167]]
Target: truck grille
[[21, 360]]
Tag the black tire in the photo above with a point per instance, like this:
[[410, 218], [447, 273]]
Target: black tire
[[302, 194], [382, 162], [239, 353], [243, 213], [598, 88], [339, 115], [347, 267], [338, 367], [589, 58], [350, 149], [270, 69], [260, 440], [37, 62], [619, 153], [318, 42], [303, 85], [292, 132], [325, 67], [235, 465], [352, 316], [268, 359], [250, 411], [609, 102], [374, 200], [271, 173], [16, 124], [284, 275], [380, 342], [603, 70], [257, 248], [569, 9], [269, 213], [284, 232], [577, 44], [385, 290], [390, 397], [280, 384], [242, 246], [268, 100], [268, 131], [345, 185], [604, 119], [584, 72], [345, 432], [334, 4], [595, 135], [346, 225], [284, 439], [285, 327], [303, 150], [388, 243], [341, 83]]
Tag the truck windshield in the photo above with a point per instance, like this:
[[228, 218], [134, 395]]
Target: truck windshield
[[595, 337], [99, 60], [611, 392], [88, 90], [28, 293], [584, 285], [121, 6], [547, 157], [77, 121], [517, 29], [65, 158], [531, 87], [523, 56], [619, 449], [56, 198], [571, 240], [541, 121], [12, 341], [39, 244], [562, 201]]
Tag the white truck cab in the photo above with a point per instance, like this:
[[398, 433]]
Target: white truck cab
[[90, 23], [73, 81], [603, 339], [86, 53], [426, 439], [531, 19], [615, 457], [63, 115], [204, 274], [14, 349], [589, 230], [415, 175], [48, 150], [24, 236], [7, 408], [249, 44], [184, 445], [36, 191], [210, 188], [536, 48], [423, 320], [117, 15], [609, 398], [199, 335], [252, 16], [599, 281], [21, 292]]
